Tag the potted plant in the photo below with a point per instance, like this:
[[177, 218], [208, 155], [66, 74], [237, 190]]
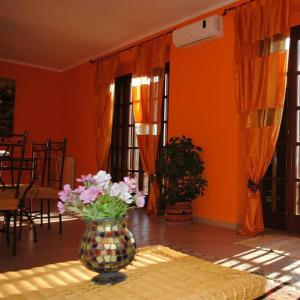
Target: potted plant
[[180, 170]]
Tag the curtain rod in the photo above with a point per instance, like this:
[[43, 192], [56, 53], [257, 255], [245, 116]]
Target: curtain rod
[[227, 10], [94, 60]]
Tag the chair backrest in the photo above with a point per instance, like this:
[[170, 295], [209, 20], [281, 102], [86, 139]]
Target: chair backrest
[[14, 145], [11, 147], [17, 171], [56, 158], [40, 154]]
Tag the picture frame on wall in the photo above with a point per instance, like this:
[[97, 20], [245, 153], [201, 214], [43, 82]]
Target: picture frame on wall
[[7, 104]]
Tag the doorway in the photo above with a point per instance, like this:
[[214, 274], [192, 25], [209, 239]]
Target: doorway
[[281, 184]]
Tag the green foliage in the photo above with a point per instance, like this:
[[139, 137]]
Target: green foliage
[[105, 207], [180, 168]]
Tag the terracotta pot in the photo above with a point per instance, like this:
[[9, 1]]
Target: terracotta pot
[[181, 213]]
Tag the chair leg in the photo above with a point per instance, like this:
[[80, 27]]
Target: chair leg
[[21, 223], [14, 250], [41, 212], [34, 233], [60, 224], [7, 217], [30, 207], [32, 224], [49, 213]]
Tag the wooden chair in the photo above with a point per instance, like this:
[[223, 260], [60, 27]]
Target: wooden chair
[[40, 154], [50, 183]]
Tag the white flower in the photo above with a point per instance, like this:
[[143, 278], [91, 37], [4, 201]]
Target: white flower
[[121, 190], [102, 180]]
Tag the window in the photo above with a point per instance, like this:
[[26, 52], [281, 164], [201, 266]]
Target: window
[[125, 156], [281, 184]]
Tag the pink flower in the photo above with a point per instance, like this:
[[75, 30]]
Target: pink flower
[[89, 194], [63, 195], [61, 207], [130, 182], [79, 190], [87, 179], [139, 199]]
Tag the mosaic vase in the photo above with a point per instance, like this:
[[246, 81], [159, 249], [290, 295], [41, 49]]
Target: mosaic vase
[[106, 247]]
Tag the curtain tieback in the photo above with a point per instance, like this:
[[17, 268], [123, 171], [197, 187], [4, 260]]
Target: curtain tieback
[[252, 186]]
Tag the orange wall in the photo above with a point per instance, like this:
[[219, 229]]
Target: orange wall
[[37, 101], [79, 116], [202, 106]]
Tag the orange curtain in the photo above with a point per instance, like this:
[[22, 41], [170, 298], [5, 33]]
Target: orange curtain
[[104, 84], [147, 94], [261, 31]]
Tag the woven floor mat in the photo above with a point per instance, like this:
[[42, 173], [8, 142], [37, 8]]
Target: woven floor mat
[[157, 273]]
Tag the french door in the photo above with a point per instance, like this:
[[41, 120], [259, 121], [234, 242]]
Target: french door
[[281, 184]]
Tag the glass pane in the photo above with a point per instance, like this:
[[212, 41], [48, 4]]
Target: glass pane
[[297, 202], [129, 160], [281, 160], [298, 56], [280, 197], [267, 194], [166, 85], [165, 134], [130, 115], [298, 126], [298, 90], [130, 139], [165, 109], [136, 177], [297, 162], [145, 184], [135, 140], [136, 159]]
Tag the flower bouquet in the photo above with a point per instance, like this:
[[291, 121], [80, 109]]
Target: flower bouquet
[[97, 198], [107, 245]]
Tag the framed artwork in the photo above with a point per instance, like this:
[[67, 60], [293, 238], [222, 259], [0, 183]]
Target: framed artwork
[[7, 103]]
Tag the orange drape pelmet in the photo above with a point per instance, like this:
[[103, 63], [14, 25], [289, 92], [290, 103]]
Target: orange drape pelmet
[[147, 94], [261, 29], [104, 88]]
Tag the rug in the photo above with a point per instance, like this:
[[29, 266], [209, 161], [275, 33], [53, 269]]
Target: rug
[[281, 244], [157, 273]]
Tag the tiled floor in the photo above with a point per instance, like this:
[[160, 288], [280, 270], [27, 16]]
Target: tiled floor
[[208, 242]]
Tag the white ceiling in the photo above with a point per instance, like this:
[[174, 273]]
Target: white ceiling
[[59, 34]]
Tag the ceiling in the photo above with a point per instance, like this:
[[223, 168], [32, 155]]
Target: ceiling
[[59, 34]]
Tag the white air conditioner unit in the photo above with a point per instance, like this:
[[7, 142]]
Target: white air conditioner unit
[[206, 29]]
